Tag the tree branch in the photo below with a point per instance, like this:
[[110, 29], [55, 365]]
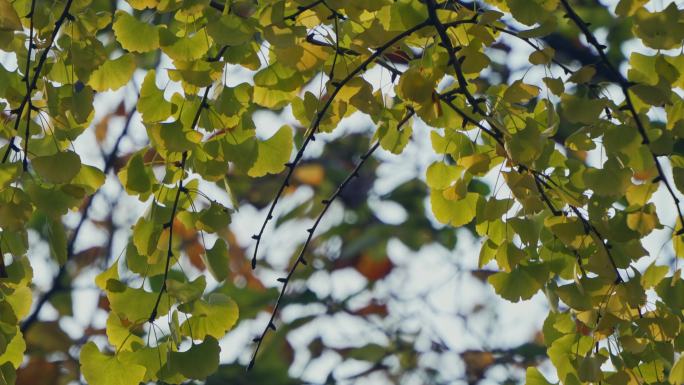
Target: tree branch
[[36, 75], [314, 127], [624, 86], [56, 282], [300, 257], [454, 61], [169, 224]]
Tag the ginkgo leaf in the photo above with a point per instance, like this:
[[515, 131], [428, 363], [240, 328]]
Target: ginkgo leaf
[[188, 48], [273, 153], [454, 212], [216, 260], [103, 369], [136, 177], [113, 74], [9, 20], [58, 240], [14, 350], [151, 104], [134, 305], [676, 376], [439, 175], [120, 336], [230, 30], [60, 167], [89, 178], [186, 292], [519, 92], [644, 220], [214, 218], [155, 360], [197, 362], [534, 377], [174, 136], [135, 35], [521, 283], [211, 317]]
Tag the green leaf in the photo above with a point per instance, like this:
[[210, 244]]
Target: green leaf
[[14, 350], [213, 219], [136, 178], [89, 178], [676, 376], [273, 153], [580, 110], [653, 275], [113, 74], [9, 20], [521, 283], [453, 212], [134, 305], [155, 360], [415, 86], [120, 336], [103, 369], [152, 105], [60, 167], [213, 317], [519, 92], [393, 138], [174, 136], [197, 362], [534, 377], [612, 180], [58, 240], [629, 7], [217, 260], [543, 56], [440, 175], [187, 48], [186, 292], [230, 30], [659, 30], [135, 35]]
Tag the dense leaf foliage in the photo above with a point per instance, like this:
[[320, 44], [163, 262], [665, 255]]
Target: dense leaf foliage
[[586, 160]]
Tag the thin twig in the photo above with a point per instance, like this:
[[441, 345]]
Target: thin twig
[[300, 257], [57, 281], [539, 178], [174, 209], [453, 60], [314, 127], [36, 75], [624, 86]]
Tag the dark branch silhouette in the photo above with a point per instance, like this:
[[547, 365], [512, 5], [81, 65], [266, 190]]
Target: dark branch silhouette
[[624, 86], [300, 257]]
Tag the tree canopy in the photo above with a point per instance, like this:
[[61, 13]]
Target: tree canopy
[[140, 138]]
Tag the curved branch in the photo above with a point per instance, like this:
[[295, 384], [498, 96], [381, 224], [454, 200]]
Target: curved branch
[[317, 121], [174, 209], [26, 101], [56, 282], [624, 86], [300, 257], [453, 60]]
